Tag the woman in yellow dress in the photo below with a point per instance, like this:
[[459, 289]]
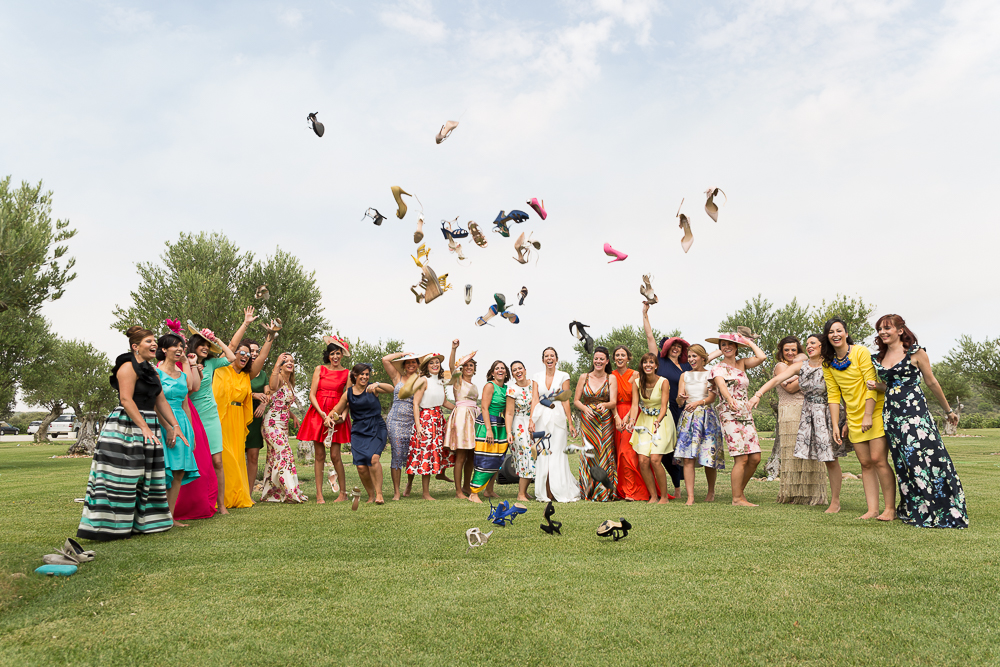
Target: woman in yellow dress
[[847, 368], [233, 396]]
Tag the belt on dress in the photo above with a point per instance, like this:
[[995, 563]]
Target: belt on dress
[[464, 403], [649, 411], [816, 399], [236, 403]]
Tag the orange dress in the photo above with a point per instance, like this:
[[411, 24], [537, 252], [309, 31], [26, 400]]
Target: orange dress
[[630, 485]]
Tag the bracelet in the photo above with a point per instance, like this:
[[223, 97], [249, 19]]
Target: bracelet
[[950, 411]]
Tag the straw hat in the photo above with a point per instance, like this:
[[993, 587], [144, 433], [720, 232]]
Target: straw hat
[[731, 337], [669, 343], [212, 347], [339, 342], [427, 358], [400, 362]]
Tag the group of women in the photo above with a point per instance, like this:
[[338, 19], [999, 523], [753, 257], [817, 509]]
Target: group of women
[[643, 429]]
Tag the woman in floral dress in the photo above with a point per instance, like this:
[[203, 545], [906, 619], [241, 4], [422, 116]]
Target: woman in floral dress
[[281, 481], [735, 417], [699, 436], [596, 406], [518, 415], [930, 493]]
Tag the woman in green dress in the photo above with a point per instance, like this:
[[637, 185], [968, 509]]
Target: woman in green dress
[[491, 442]]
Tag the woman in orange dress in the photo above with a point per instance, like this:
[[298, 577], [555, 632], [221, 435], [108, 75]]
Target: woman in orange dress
[[630, 485]]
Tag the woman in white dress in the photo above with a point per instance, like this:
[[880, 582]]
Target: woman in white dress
[[553, 478]]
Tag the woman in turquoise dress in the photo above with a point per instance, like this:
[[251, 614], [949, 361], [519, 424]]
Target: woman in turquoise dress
[[177, 380], [930, 493], [491, 441]]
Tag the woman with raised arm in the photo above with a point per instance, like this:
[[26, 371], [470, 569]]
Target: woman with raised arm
[[491, 432], [930, 493], [653, 435], [596, 396], [671, 355], [699, 437], [368, 430], [401, 368], [211, 354], [518, 416], [554, 480], [814, 436], [281, 480], [631, 485], [735, 417], [127, 491], [428, 455], [460, 436], [261, 393], [847, 369], [177, 380], [329, 381]]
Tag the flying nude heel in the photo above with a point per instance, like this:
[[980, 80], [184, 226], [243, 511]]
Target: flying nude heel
[[710, 206], [445, 131], [521, 251], [646, 289], [397, 194]]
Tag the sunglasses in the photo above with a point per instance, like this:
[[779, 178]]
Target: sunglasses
[[243, 354]]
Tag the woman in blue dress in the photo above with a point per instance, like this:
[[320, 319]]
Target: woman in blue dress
[[368, 431], [930, 493], [177, 380]]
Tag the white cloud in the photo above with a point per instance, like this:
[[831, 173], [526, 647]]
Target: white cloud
[[290, 17], [128, 19], [415, 17]]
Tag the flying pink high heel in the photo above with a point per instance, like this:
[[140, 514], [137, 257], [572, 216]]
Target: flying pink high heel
[[539, 206], [611, 252]]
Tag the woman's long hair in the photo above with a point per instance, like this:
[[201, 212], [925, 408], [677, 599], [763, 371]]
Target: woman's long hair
[[493, 367], [607, 356], [829, 354], [780, 355], [644, 376], [907, 337]]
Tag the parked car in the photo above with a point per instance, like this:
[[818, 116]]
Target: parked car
[[33, 427], [63, 425], [7, 429]]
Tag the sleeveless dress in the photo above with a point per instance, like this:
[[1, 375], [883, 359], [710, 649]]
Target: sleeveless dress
[[672, 372], [368, 431], [197, 500], [814, 440], [427, 453], [598, 431], [700, 435], [801, 481], [520, 438], [232, 397], [179, 457], [488, 457], [204, 400], [281, 480], [665, 438], [930, 493], [255, 437], [630, 485], [329, 389], [552, 470], [737, 427], [462, 422], [127, 490], [400, 426], [850, 385]]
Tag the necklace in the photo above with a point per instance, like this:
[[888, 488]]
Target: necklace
[[842, 364]]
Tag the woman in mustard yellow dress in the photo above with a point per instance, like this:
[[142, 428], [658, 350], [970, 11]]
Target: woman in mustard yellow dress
[[847, 368], [233, 396]]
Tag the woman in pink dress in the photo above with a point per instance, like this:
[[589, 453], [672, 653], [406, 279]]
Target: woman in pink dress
[[329, 382]]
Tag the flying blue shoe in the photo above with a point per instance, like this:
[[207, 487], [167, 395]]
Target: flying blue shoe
[[517, 216], [499, 512]]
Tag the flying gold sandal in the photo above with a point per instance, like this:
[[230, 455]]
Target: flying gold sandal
[[422, 254], [477, 235]]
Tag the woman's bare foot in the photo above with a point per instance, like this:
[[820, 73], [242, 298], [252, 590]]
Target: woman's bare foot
[[653, 500], [178, 524], [690, 501], [379, 500], [467, 490], [223, 511], [396, 496], [369, 501], [428, 496], [664, 501], [341, 498], [461, 496], [832, 509], [490, 495], [868, 515], [320, 501], [743, 502], [523, 499], [443, 476], [710, 497], [888, 515], [474, 497]]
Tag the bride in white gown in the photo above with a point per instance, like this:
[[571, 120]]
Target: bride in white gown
[[553, 478]]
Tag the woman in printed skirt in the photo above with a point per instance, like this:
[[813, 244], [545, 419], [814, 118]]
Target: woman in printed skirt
[[281, 480], [491, 432], [699, 437], [428, 456], [518, 415]]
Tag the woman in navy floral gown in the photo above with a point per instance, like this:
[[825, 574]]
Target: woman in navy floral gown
[[930, 493]]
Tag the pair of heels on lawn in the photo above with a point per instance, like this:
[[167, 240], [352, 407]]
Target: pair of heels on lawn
[[504, 512], [614, 529]]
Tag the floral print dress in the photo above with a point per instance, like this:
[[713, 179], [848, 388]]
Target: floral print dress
[[737, 426], [519, 436], [930, 493], [281, 481]]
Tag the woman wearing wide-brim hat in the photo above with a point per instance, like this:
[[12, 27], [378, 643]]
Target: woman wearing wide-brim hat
[[329, 381], [460, 435], [400, 366], [735, 416], [427, 452]]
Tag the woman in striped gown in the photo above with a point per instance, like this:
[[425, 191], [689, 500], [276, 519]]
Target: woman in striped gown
[[596, 397]]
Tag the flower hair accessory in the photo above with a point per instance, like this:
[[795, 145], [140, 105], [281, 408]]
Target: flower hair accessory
[[174, 326], [339, 342]]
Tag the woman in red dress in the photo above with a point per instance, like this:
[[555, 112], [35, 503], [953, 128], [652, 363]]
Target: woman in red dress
[[630, 485], [329, 382]]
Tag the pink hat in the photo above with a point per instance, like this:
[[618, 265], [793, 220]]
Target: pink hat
[[731, 337], [669, 343]]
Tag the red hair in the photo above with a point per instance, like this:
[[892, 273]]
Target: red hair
[[907, 337]]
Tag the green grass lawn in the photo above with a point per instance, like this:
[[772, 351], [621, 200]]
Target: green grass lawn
[[314, 585]]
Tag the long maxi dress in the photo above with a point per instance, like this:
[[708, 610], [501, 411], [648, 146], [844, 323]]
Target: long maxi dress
[[518, 433], [630, 485], [204, 401], [127, 490], [599, 432], [180, 457], [281, 480], [802, 481], [930, 492], [197, 500], [232, 396], [552, 470], [489, 456], [400, 426]]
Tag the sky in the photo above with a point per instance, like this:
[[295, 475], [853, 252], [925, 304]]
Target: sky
[[856, 143]]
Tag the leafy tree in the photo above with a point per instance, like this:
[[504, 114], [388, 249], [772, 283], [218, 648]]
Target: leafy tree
[[980, 363], [632, 337], [43, 383], [31, 270], [22, 338], [207, 279], [955, 385], [86, 389]]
